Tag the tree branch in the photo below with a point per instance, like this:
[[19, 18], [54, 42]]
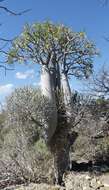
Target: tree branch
[[14, 13]]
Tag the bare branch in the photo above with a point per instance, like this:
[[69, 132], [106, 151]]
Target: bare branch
[[6, 40], [99, 84], [14, 13], [6, 69], [104, 2]]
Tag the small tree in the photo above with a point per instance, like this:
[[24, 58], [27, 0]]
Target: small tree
[[19, 137], [26, 107], [61, 53], [100, 83]]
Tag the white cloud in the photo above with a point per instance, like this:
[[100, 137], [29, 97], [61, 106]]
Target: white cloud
[[6, 89], [25, 75]]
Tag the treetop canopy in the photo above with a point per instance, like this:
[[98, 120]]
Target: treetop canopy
[[45, 43]]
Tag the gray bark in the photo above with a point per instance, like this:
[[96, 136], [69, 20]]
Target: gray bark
[[66, 91], [60, 149], [50, 123], [57, 125]]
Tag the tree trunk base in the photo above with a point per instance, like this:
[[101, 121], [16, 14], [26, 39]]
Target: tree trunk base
[[60, 147]]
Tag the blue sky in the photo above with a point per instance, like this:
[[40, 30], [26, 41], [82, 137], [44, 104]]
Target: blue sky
[[87, 15]]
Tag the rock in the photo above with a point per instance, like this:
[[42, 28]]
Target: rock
[[85, 181], [94, 184], [73, 181], [77, 181], [105, 180], [33, 186], [88, 177]]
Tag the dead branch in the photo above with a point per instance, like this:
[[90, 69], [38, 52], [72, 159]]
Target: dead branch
[[14, 13]]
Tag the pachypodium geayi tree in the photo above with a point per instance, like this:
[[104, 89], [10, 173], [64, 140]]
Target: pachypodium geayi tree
[[61, 53]]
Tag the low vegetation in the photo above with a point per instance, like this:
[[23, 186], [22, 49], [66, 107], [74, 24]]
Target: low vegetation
[[24, 155]]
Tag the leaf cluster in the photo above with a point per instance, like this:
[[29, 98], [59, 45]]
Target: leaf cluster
[[47, 43]]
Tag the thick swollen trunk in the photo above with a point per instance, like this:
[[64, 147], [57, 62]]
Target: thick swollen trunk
[[60, 149], [47, 89], [67, 98], [61, 163], [61, 143]]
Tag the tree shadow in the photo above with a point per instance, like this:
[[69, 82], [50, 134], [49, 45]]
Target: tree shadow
[[97, 168]]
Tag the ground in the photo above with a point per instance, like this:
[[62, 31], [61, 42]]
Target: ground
[[73, 181]]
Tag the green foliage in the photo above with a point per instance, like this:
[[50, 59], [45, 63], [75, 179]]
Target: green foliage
[[102, 150], [2, 117], [102, 101], [100, 108], [46, 42], [41, 147]]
